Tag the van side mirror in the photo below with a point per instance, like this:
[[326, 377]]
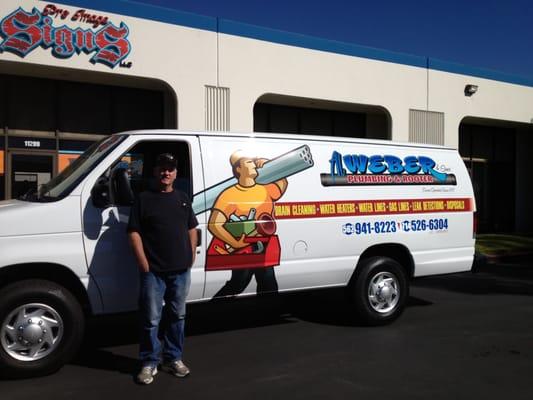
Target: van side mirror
[[100, 193], [120, 183]]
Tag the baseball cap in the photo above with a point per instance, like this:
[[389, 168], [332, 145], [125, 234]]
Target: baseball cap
[[166, 160], [239, 154]]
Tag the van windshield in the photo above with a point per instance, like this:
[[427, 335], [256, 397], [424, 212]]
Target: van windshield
[[70, 177]]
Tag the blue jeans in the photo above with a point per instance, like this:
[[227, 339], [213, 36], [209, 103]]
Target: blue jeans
[[173, 289]]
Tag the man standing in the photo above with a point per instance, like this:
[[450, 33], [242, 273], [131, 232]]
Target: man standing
[[162, 233], [245, 198]]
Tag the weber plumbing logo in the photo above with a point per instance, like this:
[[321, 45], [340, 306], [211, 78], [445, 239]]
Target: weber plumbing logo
[[23, 32], [361, 169]]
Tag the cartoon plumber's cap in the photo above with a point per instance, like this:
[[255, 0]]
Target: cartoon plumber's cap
[[237, 155]]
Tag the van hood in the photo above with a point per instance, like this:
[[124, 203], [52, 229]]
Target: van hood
[[30, 218]]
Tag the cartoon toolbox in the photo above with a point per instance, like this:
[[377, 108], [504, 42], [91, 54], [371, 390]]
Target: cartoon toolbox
[[263, 249]]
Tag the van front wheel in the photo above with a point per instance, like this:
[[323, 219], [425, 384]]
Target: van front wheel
[[380, 290], [41, 328]]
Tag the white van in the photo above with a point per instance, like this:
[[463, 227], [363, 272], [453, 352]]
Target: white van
[[323, 212]]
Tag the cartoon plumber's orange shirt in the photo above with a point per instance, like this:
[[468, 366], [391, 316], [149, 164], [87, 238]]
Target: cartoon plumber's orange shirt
[[239, 200]]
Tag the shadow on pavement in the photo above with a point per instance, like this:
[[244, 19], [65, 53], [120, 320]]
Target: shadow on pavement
[[328, 306], [109, 331], [117, 330], [513, 275], [520, 267], [107, 360]]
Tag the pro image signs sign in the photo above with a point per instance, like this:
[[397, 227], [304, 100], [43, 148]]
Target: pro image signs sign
[[23, 32]]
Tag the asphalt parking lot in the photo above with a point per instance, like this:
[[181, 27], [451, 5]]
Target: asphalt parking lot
[[461, 336]]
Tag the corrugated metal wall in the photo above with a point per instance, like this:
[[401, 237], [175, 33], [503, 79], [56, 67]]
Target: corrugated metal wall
[[426, 127], [217, 108]]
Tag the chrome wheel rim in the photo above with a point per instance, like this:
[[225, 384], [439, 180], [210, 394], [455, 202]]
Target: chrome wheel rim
[[31, 332], [384, 292]]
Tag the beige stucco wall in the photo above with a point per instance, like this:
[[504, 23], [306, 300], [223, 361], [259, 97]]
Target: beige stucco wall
[[252, 68]]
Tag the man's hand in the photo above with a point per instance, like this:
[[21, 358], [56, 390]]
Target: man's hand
[[239, 243], [137, 246], [144, 268], [193, 237], [259, 162], [216, 227]]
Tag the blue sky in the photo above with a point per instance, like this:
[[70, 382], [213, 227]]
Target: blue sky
[[491, 34]]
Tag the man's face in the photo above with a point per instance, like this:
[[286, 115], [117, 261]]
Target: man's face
[[247, 168], [166, 175]]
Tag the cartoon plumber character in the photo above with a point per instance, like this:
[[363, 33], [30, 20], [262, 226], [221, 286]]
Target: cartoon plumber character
[[242, 224]]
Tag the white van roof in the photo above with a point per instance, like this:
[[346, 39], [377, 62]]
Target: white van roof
[[285, 136]]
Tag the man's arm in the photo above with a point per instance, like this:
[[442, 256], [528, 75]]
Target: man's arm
[[193, 237], [281, 183], [216, 227], [138, 249]]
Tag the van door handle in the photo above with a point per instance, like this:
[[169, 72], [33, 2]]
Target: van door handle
[[198, 237]]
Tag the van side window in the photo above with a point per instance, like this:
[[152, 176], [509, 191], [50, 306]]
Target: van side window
[[139, 162]]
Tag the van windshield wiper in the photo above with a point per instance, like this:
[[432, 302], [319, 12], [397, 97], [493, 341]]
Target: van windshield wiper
[[33, 195], [30, 195], [42, 195]]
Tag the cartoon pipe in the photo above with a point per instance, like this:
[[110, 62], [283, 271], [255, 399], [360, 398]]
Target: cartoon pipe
[[278, 168], [265, 225]]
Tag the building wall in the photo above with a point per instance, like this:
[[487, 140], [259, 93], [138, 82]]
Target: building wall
[[493, 100], [188, 59], [252, 68]]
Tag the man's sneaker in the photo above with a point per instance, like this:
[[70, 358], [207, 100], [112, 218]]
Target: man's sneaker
[[176, 368], [146, 376]]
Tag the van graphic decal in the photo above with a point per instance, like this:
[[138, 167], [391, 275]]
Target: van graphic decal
[[242, 219], [322, 209], [359, 169]]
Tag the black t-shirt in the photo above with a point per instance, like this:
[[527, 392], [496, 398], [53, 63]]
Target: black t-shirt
[[163, 220]]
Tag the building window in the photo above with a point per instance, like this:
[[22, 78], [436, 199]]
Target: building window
[[308, 121]]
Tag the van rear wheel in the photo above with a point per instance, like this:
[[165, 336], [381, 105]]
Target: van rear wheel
[[41, 328], [380, 290]]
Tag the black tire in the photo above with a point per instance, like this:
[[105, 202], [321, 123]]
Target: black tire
[[390, 303], [58, 304]]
